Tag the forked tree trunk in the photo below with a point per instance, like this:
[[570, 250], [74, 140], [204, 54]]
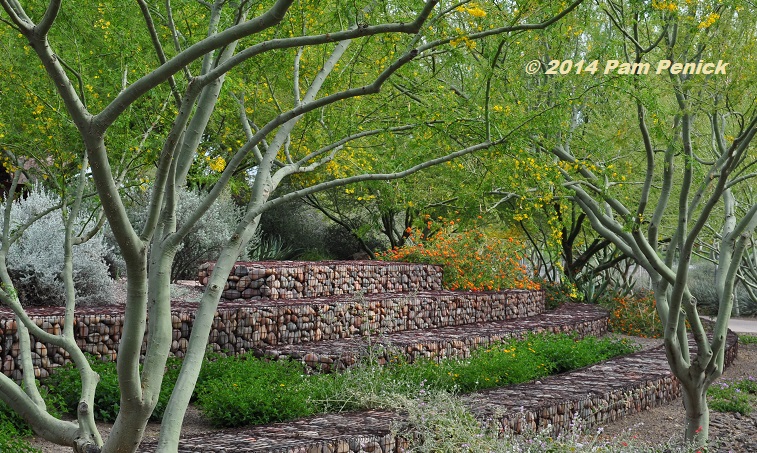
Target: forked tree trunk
[[697, 413]]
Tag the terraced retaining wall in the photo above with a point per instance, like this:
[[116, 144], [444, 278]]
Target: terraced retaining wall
[[298, 279], [241, 326], [315, 319], [453, 341], [607, 392], [596, 394]]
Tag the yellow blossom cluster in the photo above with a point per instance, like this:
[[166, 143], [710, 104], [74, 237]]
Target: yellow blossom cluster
[[469, 43], [217, 164], [709, 21], [472, 9], [664, 6]]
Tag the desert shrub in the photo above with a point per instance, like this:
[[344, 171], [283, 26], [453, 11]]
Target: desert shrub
[[35, 261], [299, 226], [634, 314], [472, 260], [205, 241], [267, 248], [748, 306], [702, 286]]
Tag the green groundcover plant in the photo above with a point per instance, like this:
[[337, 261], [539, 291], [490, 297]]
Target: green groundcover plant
[[14, 430], [245, 390], [64, 385], [733, 395]]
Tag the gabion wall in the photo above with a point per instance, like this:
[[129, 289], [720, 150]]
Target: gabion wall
[[241, 326], [97, 330], [580, 319], [586, 397], [647, 382], [299, 279]]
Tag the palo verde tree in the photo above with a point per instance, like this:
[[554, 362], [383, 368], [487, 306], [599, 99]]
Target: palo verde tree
[[240, 94], [692, 135]]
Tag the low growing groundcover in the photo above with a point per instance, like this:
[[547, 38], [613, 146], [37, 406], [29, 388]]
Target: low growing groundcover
[[245, 390]]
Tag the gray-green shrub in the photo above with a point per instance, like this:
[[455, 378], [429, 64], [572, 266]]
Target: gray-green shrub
[[702, 286], [205, 240], [299, 226], [35, 261]]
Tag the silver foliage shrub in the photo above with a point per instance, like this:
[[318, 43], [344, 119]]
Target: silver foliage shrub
[[205, 240], [702, 286], [35, 261]]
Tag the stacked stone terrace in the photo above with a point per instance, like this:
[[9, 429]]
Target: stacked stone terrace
[[320, 313], [272, 280], [396, 308], [326, 314]]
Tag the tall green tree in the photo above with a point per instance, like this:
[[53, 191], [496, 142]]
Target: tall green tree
[[690, 134], [236, 97]]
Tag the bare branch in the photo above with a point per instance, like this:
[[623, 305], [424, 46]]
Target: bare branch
[[53, 8], [158, 47]]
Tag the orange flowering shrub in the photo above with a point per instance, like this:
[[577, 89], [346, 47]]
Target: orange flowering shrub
[[472, 260], [634, 315]]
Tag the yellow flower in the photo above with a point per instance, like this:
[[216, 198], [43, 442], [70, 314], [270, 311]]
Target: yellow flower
[[217, 164], [709, 21], [474, 10]]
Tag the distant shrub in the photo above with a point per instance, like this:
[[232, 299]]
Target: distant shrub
[[472, 260], [205, 241], [702, 286], [298, 225], [269, 248], [634, 315], [35, 261], [558, 293], [207, 238]]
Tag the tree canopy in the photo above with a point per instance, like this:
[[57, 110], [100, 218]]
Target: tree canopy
[[300, 96], [641, 114]]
